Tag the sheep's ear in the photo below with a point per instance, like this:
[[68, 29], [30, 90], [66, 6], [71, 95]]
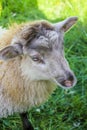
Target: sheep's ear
[[10, 52], [66, 24]]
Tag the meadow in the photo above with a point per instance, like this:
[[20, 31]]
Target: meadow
[[65, 110]]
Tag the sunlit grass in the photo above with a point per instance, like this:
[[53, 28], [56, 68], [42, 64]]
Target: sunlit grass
[[0, 8], [65, 110], [62, 8]]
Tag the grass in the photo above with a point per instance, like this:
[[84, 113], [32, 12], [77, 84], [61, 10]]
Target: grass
[[65, 110]]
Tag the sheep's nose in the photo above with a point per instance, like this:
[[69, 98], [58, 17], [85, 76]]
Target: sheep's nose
[[69, 81]]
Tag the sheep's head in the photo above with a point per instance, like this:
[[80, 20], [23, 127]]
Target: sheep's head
[[41, 46]]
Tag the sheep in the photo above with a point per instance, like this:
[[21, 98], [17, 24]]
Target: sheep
[[32, 64]]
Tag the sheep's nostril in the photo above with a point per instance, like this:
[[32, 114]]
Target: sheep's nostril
[[71, 77]]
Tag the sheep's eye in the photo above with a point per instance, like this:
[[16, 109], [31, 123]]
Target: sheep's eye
[[36, 59]]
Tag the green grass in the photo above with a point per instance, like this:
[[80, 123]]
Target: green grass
[[65, 110]]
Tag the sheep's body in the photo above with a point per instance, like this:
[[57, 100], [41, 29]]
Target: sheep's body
[[18, 96], [34, 64], [17, 93]]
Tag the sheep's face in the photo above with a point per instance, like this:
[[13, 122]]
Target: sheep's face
[[48, 62], [43, 55]]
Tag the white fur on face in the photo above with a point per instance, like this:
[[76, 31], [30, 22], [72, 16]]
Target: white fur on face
[[34, 71]]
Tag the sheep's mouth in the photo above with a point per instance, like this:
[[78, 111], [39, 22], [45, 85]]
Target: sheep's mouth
[[66, 83]]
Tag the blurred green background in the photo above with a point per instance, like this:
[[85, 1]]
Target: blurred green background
[[65, 110]]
